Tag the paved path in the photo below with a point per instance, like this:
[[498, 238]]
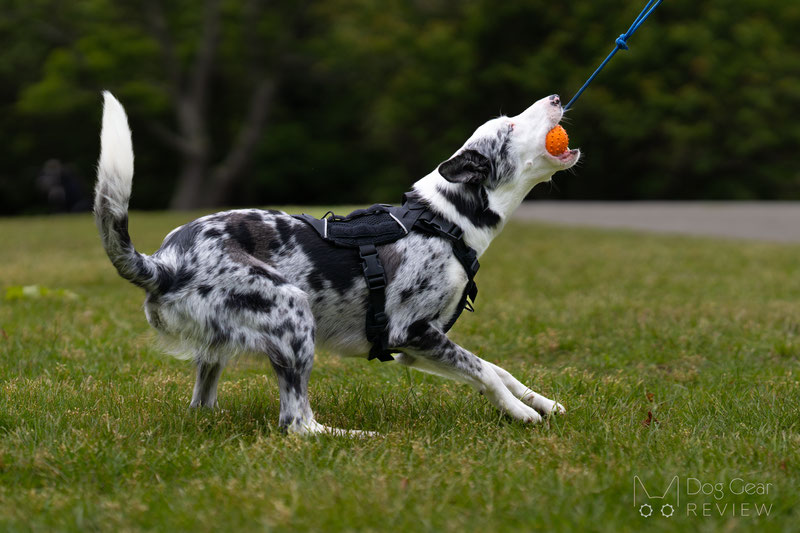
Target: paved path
[[768, 221]]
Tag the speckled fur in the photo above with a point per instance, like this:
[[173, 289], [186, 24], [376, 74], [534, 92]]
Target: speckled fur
[[263, 282]]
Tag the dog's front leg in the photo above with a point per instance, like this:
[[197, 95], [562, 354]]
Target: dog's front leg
[[428, 349], [543, 405]]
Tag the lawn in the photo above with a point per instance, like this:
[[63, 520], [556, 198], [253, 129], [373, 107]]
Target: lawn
[[674, 356]]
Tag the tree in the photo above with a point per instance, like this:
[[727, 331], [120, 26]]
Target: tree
[[202, 183], [353, 100], [170, 56]]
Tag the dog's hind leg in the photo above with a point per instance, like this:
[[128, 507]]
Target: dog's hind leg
[[428, 349], [292, 359], [543, 405], [289, 344], [205, 385]]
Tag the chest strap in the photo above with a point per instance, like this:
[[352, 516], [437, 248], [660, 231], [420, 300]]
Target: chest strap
[[429, 222], [377, 321]]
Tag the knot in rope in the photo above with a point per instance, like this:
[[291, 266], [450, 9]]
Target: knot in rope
[[621, 44]]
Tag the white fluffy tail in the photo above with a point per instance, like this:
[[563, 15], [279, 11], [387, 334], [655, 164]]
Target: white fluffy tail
[[115, 167], [111, 196]]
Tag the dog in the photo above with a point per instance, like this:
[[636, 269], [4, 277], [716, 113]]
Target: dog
[[264, 282]]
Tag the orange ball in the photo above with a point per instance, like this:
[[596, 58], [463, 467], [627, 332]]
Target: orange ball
[[557, 141]]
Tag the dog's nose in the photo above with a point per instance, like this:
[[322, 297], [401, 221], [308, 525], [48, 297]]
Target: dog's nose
[[555, 100]]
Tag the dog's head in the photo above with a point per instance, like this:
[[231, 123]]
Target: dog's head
[[510, 151], [487, 178]]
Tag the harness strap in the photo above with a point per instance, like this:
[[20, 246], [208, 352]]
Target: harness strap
[[377, 320], [430, 222], [320, 225]]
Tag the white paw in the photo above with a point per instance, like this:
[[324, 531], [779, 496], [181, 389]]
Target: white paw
[[525, 414], [315, 428], [543, 405]]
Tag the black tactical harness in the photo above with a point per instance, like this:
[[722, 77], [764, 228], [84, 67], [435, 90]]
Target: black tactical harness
[[365, 229]]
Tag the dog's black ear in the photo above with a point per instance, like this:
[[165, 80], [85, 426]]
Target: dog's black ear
[[470, 166]]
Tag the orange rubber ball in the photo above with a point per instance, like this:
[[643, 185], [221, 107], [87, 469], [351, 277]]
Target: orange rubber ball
[[557, 141]]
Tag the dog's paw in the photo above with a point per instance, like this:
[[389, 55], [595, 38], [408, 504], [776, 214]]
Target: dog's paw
[[536, 418], [200, 405], [544, 406], [524, 413], [315, 428]]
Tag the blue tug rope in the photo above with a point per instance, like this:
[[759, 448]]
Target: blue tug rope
[[621, 44]]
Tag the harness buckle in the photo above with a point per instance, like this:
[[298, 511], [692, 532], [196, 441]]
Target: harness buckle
[[449, 229], [376, 281], [373, 270]]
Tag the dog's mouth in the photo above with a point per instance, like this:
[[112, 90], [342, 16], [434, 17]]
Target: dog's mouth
[[557, 147], [567, 156]]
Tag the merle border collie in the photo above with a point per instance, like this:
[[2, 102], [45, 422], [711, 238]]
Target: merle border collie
[[263, 282]]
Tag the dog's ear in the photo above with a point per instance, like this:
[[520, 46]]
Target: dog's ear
[[470, 167]]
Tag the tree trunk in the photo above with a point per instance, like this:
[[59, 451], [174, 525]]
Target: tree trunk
[[189, 191], [200, 185]]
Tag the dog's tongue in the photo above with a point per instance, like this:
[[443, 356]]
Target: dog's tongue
[[557, 141]]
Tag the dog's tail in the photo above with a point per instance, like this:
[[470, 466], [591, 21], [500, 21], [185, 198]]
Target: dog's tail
[[111, 195]]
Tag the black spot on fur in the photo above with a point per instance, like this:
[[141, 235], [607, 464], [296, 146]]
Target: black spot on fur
[[281, 328], [405, 294], [240, 233], [120, 227], [182, 278], [169, 281], [421, 335], [294, 381], [203, 290], [252, 235], [297, 344], [183, 239], [472, 203], [316, 280], [332, 265], [285, 421], [219, 337], [256, 270], [248, 301], [212, 233]]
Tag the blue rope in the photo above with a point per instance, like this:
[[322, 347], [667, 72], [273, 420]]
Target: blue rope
[[621, 44]]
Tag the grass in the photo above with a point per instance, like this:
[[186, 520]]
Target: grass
[[704, 335]]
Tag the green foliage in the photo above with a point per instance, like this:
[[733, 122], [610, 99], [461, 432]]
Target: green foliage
[[95, 433], [374, 94]]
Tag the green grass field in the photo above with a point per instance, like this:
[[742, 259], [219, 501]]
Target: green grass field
[[704, 335]]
